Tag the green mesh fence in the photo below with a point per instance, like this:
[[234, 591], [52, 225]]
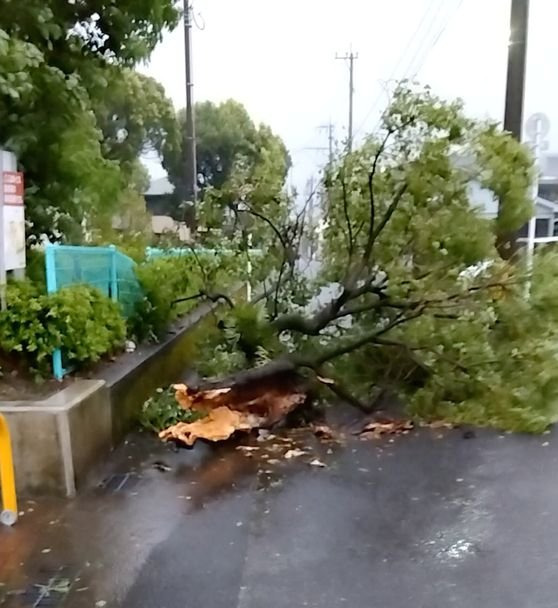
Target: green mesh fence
[[105, 268]]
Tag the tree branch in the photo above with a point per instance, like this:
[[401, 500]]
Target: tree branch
[[350, 245], [367, 338], [371, 175], [390, 211], [213, 297]]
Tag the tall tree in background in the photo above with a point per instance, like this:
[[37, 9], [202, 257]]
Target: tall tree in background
[[235, 159], [66, 89]]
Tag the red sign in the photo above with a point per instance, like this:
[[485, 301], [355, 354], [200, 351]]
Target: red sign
[[12, 187]]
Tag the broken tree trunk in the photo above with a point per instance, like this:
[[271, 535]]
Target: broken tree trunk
[[253, 402]]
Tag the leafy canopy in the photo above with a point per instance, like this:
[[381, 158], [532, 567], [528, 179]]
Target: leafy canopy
[[409, 293], [73, 110], [236, 160]]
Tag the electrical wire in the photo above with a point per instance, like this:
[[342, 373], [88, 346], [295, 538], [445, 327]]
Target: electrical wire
[[437, 7], [449, 19], [409, 72]]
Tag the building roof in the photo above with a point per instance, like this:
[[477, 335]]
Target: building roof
[[160, 187]]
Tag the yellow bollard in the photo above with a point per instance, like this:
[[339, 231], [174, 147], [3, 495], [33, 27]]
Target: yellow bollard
[[8, 515]]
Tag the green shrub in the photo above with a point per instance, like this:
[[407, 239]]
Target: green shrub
[[163, 280], [162, 411], [90, 323], [35, 268], [78, 319], [167, 279]]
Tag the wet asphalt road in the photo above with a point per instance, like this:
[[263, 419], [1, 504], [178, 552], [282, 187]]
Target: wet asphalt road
[[431, 520]]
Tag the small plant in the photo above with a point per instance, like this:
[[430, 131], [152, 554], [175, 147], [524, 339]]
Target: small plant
[[162, 411]]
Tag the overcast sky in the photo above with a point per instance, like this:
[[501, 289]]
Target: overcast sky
[[278, 59]]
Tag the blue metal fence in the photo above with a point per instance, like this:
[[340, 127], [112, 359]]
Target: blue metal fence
[[105, 268]]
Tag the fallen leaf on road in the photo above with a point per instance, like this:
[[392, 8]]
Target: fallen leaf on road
[[295, 453], [317, 463], [438, 424], [323, 431], [379, 428]]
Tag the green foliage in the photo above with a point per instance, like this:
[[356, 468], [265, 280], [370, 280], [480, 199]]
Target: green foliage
[[78, 319], [73, 110], [242, 337], [237, 161], [496, 152], [35, 268], [478, 352], [163, 280], [443, 321], [166, 279], [162, 411], [134, 115], [506, 347]]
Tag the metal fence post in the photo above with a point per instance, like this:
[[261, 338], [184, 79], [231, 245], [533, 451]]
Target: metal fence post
[[50, 268], [113, 275], [52, 287]]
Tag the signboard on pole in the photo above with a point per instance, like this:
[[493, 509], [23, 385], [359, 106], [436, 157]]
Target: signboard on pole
[[12, 188], [12, 220]]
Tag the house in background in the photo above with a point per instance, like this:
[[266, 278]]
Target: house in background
[[161, 205], [546, 210], [547, 202]]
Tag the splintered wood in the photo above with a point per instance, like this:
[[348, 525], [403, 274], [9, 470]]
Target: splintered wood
[[232, 409]]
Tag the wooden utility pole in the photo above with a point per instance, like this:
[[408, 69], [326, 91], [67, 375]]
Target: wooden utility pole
[[190, 169], [329, 129], [350, 57], [515, 95]]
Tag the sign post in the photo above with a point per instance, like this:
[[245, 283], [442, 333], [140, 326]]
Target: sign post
[[12, 220]]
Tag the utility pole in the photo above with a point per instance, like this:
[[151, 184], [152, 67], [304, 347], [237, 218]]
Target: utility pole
[[190, 169], [329, 129], [350, 57], [515, 94], [517, 59]]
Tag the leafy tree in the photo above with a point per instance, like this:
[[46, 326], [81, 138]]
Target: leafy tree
[[235, 159], [411, 295], [134, 116], [62, 66]]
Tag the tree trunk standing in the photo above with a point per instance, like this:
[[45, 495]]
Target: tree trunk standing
[[506, 242]]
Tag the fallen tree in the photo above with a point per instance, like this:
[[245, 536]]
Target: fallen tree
[[408, 293]]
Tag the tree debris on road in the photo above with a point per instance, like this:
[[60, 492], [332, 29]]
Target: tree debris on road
[[231, 409]]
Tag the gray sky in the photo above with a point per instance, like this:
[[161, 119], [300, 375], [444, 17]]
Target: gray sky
[[278, 59]]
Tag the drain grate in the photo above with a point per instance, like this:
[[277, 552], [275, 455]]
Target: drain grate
[[120, 482]]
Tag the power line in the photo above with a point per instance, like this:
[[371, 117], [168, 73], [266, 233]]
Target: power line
[[415, 34], [403, 55], [426, 51], [448, 20]]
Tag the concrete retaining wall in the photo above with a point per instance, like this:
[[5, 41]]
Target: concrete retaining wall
[[58, 441]]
